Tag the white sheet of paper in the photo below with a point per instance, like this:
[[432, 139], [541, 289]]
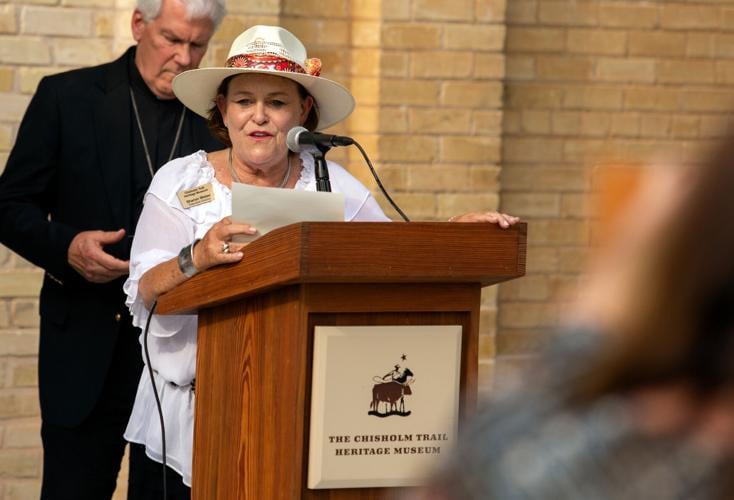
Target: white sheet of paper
[[271, 208]]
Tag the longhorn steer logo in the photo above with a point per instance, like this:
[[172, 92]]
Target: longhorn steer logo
[[389, 392]]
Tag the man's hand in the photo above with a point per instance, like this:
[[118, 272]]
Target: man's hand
[[87, 256]]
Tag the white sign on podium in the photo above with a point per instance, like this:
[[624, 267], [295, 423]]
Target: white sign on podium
[[384, 404]]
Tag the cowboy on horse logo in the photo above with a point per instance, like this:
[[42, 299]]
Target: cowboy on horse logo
[[390, 390]]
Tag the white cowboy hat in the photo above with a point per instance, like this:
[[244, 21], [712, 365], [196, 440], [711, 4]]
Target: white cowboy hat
[[270, 50]]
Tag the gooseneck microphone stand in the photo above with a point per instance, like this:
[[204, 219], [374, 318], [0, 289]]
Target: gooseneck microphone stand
[[322, 172]]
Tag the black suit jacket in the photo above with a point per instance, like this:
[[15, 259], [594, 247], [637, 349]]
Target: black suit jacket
[[70, 171]]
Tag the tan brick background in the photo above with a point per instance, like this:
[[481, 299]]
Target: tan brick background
[[591, 83], [463, 105]]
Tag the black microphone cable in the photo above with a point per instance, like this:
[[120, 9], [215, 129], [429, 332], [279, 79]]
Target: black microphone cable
[[155, 393], [379, 183]]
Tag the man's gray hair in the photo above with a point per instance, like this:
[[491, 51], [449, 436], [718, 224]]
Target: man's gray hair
[[213, 9]]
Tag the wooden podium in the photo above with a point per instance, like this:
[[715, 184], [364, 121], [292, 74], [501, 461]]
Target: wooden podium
[[256, 327]]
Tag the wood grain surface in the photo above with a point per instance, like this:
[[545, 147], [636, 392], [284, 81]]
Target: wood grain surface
[[359, 252]]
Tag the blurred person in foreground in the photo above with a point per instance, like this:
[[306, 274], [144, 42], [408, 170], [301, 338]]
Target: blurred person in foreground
[[71, 193], [635, 400], [267, 87]]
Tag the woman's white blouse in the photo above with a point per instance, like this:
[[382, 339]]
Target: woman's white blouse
[[165, 227]]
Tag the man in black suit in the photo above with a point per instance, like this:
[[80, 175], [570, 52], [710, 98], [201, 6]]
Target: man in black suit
[[70, 197]]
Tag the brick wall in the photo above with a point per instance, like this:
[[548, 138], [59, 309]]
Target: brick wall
[[589, 83], [36, 38], [585, 82]]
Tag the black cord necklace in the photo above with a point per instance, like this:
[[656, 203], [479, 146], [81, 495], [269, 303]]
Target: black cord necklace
[[142, 135]]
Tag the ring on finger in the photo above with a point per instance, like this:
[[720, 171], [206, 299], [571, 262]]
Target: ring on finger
[[225, 247]]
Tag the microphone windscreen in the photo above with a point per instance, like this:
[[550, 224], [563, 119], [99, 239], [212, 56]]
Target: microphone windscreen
[[291, 140]]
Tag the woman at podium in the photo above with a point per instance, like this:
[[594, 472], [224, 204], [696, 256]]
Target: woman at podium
[[267, 87]]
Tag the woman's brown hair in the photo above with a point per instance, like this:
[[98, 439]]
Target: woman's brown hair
[[681, 325]]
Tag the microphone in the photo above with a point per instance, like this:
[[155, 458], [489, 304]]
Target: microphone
[[300, 139]]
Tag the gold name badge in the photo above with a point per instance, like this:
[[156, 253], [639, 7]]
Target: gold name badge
[[196, 196]]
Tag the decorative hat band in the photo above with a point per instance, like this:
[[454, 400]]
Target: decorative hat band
[[274, 63]]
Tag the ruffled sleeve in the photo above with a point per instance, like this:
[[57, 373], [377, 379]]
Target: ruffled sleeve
[[163, 229], [160, 235]]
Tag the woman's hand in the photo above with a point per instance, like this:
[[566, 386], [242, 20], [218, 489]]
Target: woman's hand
[[502, 220], [208, 252], [216, 247]]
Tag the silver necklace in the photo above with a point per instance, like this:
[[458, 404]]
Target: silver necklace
[[237, 177], [142, 135]]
